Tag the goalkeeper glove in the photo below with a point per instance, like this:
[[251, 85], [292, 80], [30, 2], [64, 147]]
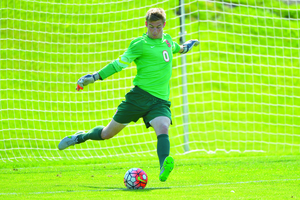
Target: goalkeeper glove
[[87, 79], [187, 46]]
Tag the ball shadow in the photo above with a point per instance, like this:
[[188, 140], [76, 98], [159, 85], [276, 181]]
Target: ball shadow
[[101, 189]]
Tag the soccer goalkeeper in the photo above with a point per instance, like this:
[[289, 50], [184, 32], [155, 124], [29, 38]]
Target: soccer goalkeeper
[[152, 54]]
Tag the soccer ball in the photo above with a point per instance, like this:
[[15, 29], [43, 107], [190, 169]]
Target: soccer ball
[[135, 178]]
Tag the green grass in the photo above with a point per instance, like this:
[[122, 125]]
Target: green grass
[[195, 176]]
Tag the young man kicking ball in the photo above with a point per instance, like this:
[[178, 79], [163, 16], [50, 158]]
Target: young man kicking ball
[[152, 54]]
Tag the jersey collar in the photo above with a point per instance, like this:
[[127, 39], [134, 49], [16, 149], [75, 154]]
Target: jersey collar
[[154, 41]]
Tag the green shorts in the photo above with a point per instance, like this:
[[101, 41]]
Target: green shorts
[[139, 103]]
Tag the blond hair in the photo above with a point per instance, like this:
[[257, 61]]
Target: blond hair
[[154, 14]]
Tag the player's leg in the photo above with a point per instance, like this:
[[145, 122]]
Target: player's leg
[[112, 129], [97, 133], [101, 132], [161, 126], [127, 111]]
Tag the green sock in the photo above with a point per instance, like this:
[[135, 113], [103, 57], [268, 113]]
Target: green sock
[[94, 134], [163, 148]]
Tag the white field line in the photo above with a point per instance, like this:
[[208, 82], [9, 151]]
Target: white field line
[[116, 163], [155, 188]]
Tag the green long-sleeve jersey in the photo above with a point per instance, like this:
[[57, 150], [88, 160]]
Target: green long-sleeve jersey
[[153, 59]]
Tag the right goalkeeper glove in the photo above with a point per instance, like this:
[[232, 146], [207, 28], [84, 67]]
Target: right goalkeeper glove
[[187, 46], [87, 79]]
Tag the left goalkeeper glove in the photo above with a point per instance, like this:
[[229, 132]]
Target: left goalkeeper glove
[[187, 46], [87, 79]]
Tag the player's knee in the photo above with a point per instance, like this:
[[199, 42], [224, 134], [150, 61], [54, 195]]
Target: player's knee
[[105, 135], [163, 129]]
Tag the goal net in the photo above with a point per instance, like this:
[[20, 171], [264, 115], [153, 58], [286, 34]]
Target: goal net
[[243, 87]]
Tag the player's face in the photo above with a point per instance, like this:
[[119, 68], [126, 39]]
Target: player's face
[[155, 28]]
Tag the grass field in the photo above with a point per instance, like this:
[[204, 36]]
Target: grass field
[[243, 92], [195, 176]]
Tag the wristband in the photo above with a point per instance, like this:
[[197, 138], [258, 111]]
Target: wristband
[[96, 76]]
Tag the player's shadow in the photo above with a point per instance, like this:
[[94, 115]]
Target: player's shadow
[[102, 189], [146, 189]]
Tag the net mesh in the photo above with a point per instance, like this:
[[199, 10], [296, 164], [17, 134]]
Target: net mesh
[[242, 81]]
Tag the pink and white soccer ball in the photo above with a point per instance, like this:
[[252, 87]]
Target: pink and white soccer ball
[[135, 178]]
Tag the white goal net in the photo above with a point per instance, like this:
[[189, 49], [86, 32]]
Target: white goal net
[[243, 81]]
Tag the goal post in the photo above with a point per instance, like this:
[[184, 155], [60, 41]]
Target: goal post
[[242, 82], [185, 106]]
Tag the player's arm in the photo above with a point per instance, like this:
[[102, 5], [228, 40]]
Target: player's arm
[[134, 51], [108, 70], [187, 46]]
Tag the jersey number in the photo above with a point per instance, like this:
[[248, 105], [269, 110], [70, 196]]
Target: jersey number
[[166, 56]]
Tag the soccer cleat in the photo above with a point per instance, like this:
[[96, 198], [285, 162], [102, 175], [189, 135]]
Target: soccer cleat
[[166, 169], [69, 140]]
